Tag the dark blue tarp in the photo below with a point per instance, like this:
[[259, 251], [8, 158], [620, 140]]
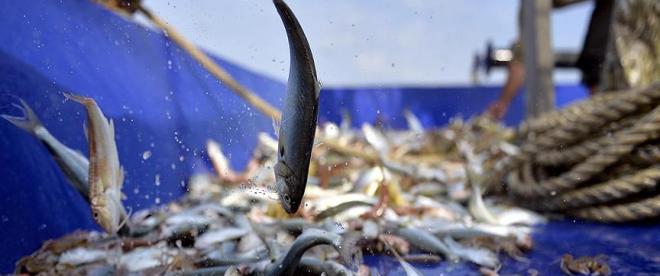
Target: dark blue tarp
[[163, 102]]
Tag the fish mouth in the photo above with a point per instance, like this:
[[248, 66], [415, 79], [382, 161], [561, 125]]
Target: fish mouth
[[288, 200], [292, 205]]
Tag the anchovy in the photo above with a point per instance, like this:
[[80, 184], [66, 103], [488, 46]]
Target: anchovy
[[298, 125], [73, 164], [106, 176], [288, 263], [460, 230], [210, 238], [339, 208], [424, 241]]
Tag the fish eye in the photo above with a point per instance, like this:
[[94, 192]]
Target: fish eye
[[96, 215], [286, 198]]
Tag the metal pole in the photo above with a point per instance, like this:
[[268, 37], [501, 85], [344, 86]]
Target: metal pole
[[538, 56]]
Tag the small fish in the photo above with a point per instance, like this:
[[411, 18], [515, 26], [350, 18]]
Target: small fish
[[480, 256], [478, 208], [210, 238], [424, 241], [73, 164], [106, 176], [298, 126], [288, 263]]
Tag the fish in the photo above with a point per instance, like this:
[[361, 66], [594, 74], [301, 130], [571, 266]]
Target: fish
[[73, 164], [478, 208], [424, 241], [480, 256], [288, 263], [299, 117], [440, 227], [210, 238], [106, 175]]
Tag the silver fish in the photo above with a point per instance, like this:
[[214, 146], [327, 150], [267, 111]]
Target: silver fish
[[210, 238], [298, 126], [73, 164], [424, 241], [106, 176]]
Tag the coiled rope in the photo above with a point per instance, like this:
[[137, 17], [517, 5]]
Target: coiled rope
[[597, 159]]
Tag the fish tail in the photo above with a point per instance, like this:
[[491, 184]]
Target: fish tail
[[78, 98], [29, 122]]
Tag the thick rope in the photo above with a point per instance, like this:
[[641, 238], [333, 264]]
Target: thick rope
[[606, 191], [590, 155], [577, 153], [560, 117], [644, 209], [594, 119], [622, 143]]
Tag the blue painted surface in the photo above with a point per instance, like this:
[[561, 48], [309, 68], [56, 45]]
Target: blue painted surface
[[165, 103], [434, 106], [631, 250]]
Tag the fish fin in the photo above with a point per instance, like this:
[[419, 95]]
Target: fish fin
[[86, 131], [112, 128], [120, 177], [218, 158], [478, 208], [345, 124], [77, 98], [376, 139], [317, 90], [276, 128], [413, 122], [29, 122], [126, 215]]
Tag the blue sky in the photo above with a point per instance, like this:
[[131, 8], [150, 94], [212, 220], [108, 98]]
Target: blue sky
[[359, 43]]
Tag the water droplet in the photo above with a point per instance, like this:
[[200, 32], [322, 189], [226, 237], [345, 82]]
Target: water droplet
[[157, 180], [146, 155]]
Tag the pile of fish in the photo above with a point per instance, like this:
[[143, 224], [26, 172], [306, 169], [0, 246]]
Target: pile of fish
[[313, 203], [411, 194]]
